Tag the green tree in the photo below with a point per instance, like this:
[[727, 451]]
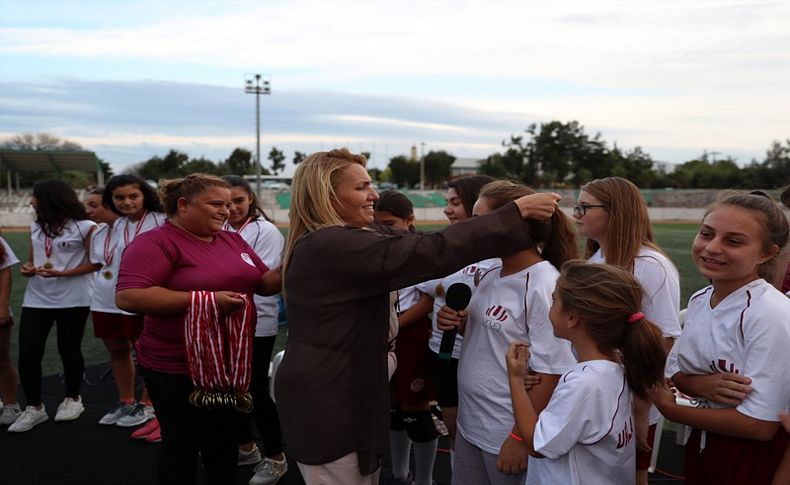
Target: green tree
[[405, 172], [155, 168], [239, 162], [299, 157], [276, 156], [201, 165], [437, 168], [375, 174]]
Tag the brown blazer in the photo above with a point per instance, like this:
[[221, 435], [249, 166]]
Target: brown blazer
[[331, 387]]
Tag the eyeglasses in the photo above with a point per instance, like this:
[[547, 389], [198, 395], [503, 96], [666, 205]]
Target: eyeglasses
[[581, 209]]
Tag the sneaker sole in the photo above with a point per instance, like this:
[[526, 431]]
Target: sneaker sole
[[132, 424], [28, 429], [70, 418]]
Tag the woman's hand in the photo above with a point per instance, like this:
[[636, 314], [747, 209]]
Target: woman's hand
[[538, 206], [449, 319], [517, 360], [228, 302], [28, 269]]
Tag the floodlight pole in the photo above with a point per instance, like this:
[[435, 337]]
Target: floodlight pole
[[257, 84]]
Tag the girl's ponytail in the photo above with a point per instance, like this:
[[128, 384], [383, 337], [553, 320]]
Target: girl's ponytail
[[607, 300], [643, 354]]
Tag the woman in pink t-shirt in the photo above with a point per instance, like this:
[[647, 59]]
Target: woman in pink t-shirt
[[190, 253]]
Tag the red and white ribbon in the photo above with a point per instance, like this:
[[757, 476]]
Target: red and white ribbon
[[137, 228], [219, 348], [109, 252]]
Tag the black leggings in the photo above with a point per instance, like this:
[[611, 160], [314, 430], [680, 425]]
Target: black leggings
[[187, 431], [264, 411], [34, 327]]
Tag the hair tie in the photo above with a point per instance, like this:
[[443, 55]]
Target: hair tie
[[636, 317]]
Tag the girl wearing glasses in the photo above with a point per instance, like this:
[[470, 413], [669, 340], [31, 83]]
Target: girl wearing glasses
[[612, 215]]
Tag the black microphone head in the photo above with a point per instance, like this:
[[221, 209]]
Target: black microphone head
[[458, 296]]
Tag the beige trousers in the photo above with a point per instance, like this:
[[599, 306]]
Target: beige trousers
[[343, 471]]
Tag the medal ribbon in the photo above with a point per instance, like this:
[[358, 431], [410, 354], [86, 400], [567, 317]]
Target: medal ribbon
[[47, 246], [109, 252], [219, 348], [137, 228]]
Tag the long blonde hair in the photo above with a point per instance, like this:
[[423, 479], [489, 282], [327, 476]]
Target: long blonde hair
[[312, 195], [629, 225]]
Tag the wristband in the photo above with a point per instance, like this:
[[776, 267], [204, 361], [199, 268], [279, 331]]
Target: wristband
[[516, 437]]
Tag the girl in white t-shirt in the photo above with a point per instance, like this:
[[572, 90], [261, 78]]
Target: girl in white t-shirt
[[58, 291], [9, 378], [139, 210], [585, 435], [461, 197], [249, 220], [411, 420], [511, 303], [732, 353], [611, 213]]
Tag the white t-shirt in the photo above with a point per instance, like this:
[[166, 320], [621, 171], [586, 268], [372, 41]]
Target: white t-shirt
[[120, 235], [124, 230], [267, 242], [437, 288], [10, 260], [748, 333], [586, 432], [407, 298], [67, 252], [104, 247], [661, 301], [503, 310]]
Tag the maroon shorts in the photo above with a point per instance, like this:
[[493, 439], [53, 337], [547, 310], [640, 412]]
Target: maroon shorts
[[9, 323], [643, 457], [733, 461], [411, 382], [117, 325]]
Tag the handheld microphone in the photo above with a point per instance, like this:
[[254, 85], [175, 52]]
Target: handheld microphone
[[457, 298]]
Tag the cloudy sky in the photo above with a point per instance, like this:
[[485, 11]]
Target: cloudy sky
[[133, 79]]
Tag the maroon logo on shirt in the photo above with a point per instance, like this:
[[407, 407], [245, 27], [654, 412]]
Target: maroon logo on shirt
[[723, 366], [495, 317], [497, 312], [626, 435], [470, 270]]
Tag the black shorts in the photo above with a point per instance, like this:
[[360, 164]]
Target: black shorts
[[445, 380]]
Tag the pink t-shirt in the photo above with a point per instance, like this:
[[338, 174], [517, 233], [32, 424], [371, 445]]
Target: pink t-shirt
[[171, 258]]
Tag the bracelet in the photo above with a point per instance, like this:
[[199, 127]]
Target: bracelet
[[516, 437]]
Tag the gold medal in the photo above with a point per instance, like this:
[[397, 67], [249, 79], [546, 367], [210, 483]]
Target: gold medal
[[48, 265], [440, 290], [107, 275]]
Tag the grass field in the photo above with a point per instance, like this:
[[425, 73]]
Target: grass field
[[674, 239]]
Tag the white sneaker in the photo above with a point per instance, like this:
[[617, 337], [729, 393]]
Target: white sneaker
[[30, 417], [9, 413], [269, 471], [115, 414], [69, 409], [138, 415], [249, 457]]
